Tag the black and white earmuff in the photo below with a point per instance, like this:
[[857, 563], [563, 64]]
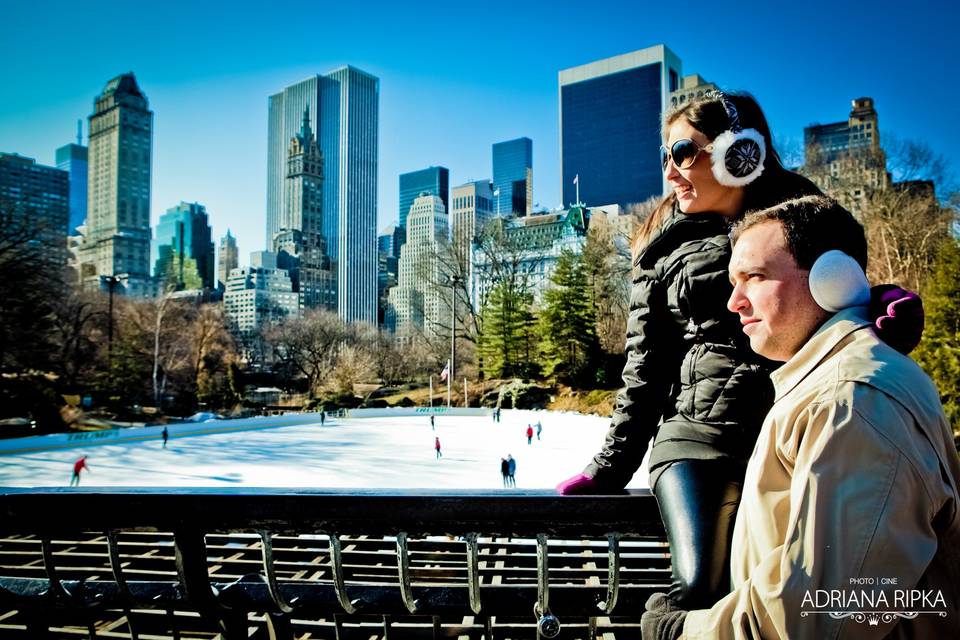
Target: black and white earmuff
[[837, 282], [738, 154]]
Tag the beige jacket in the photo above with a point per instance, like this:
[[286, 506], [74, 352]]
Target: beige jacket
[[853, 485]]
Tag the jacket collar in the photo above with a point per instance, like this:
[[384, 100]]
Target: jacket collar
[[677, 229], [823, 343]]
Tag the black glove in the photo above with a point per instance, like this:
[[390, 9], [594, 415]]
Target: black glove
[[663, 620]]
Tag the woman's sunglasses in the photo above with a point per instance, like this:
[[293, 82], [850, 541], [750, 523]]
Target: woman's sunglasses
[[683, 153]]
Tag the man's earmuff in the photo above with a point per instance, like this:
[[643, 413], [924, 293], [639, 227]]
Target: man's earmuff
[[837, 282], [738, 154]]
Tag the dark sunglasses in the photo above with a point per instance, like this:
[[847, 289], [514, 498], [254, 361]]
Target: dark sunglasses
[[683, 153]]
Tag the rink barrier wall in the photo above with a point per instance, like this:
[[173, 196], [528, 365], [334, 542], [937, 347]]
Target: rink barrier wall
[[439, 564], [150, 433], [418, 411]]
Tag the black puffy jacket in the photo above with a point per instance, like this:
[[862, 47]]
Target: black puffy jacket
[[691, 380]]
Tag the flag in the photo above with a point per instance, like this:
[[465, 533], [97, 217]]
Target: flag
[[446, 372], [576, 179], [496, 194]]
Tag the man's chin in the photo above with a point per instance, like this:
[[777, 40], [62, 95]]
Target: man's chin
[[762, 347]]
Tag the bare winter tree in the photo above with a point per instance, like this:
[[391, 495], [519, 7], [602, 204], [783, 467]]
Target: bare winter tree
[[309, 346]]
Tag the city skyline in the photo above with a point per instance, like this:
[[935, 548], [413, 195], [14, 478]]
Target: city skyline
[[445, 110]]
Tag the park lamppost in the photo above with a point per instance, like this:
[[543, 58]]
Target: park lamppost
[[453, 280], [112, 282]]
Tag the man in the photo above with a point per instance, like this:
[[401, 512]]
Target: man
[[849, 525]]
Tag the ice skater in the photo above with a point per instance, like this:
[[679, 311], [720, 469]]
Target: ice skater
[[166, 436], [431, 423], [323, 417], [505, 471], [511, 470], [539, 429], [529, 434], [436, 447], [78, 466]]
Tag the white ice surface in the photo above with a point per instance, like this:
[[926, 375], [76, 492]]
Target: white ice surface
[[395, 452]]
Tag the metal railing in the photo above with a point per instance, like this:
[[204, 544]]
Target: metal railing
[[317, 563]]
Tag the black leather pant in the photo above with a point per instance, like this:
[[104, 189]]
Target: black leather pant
[[698, 503]]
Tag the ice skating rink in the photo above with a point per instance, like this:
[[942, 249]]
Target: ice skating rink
[[394, 452]]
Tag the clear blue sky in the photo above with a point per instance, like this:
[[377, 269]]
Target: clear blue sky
[[454, 78]]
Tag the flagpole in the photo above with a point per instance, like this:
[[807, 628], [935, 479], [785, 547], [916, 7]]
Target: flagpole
[[449, 383], [576, 182], [431, 390], [466, 402]]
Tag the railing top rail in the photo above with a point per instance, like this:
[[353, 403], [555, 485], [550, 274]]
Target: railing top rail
[[365, 511]]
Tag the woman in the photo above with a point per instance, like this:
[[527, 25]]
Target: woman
[[692, 382]]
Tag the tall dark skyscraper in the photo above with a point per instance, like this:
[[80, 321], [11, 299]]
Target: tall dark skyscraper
[[182, 251], [117, 239], [346, 104], [433, 180], [33, 200], [72, 158], [610, 114], [513, 176]]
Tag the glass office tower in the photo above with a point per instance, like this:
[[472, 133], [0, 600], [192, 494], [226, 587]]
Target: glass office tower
[[513, 176], [72, 158], [346, 102], [432, 180], [610, 115]]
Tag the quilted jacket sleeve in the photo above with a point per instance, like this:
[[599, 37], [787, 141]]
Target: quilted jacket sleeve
[[652, 363]]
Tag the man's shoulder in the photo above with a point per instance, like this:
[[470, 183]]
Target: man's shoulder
[[867, 361]]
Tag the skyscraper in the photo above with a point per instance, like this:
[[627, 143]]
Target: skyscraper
[[845, 158], [472, 208], [346, 102], [610, 114], [117, 239], [299, 244], [513, 176], [227, 260], [417, 300], [72, 158], [34, 208], [386, 275], [182, 251], [433, 180]]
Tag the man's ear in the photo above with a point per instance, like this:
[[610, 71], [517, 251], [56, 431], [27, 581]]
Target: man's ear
[[837, 282]]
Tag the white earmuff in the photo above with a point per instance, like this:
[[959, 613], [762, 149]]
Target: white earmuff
[[738, 154], [837, 282]]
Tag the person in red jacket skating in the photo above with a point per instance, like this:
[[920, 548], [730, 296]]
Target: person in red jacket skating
[[78, 466]]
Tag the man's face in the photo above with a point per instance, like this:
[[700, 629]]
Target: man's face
[[771, 294]]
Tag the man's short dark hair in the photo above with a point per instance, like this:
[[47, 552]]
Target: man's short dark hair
[[812, 225]]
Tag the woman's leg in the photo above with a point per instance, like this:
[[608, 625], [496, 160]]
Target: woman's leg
[[698, 503]]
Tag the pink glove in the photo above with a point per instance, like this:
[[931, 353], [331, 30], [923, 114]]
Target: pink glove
[[579, 485], [898, 316]]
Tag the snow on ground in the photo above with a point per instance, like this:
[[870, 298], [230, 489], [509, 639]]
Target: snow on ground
[[394, 452]]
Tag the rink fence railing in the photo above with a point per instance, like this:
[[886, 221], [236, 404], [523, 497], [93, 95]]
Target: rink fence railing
[[270, 558]]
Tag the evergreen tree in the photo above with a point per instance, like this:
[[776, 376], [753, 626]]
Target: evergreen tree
[[939, 352], [568, 323], [508, 344]]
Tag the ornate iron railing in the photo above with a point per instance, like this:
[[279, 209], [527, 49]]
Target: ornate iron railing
[[132, 562]]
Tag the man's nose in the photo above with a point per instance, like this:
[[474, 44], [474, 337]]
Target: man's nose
[[737, 301]]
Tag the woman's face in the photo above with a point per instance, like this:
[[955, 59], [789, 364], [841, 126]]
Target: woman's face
[[696, 188]]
